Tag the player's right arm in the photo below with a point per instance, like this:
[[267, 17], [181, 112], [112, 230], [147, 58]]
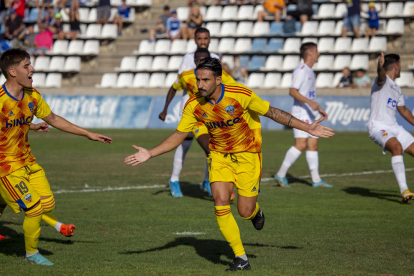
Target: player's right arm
[[170, 96], [382, 76], [406, 114]]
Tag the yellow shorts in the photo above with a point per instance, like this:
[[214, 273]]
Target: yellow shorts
[[244, 169], [199, 129], [23, 188]]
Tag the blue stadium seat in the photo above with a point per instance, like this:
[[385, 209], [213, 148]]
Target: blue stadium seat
[[33, 15], [291, 7], [259, 45], [276, 28], [298, 26], [244, 61], [315, 8], [256, 63], [2, 29], [275, 44]]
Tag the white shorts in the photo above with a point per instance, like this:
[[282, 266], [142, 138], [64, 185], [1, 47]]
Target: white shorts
[[303, 134], [174, 33], [380, 135]]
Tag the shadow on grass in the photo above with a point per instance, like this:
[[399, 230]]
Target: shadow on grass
[[272, 246], [380, 194], [293, 179], [189, 190]]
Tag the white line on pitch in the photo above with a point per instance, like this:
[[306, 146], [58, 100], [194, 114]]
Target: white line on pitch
[[189, 233]]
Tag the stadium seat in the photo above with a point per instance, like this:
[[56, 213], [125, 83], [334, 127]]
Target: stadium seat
[[213, 45], [229, 60], [191, 46], [124, 80], [53, 80], [141, 80], [144, 3], [109, 31], [93, 31], [326, 28], [298, 26], [114, 12], [243, 45], [378, 44], [72, 64], [276, 28], [56, 64], [310, 39], [157, 80], [273, 63], [338, 28], [33, 16], [325, 11], [255, 80], [91, 47], [108, 80], [244, 61], [405, 79], [59, 47], [38, 79], [244, 29], [394, 9], [272, 80], [75, 47], [203, 11], [92, 15], [170, 79], [213, 13], [229, 13], [290, 63], [275, 44], [159, 63], [286, 80], [162, 46], [83, 14], [82, 27], [2, 79], [259, 45], [214, 28], [182, 13], [309, 28], [256, 63], [359, 45], [41, 63], [342, 45], [127, 64], [245, 12], [342, 61], [315, 8], [341, 10], [324, 80], [408, 9], [144, 63], [291, 45], [145, 47], [359, 62], [395, 26], [325, 62], [336, 79], [261, 28], [174, 63], [178, 46], [256, 11], [228, 29], [226, 45], [292, 7], [326, 45]]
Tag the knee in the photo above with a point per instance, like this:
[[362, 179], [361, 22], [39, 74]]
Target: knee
[[246, 212], [300, 146], [397, 149], [48, 204], [221, 200]]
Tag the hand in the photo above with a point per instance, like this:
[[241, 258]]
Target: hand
[[317, 107], [99, 137], [42, 127], [320, 131], [381, 60], [141, 156], [162, 115]]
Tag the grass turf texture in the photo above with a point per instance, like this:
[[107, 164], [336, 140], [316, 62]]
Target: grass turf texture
[[359, 227]]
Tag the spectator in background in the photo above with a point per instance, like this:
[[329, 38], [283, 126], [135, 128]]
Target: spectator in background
[[160, 29], [3, 11], [45, 17], [14, 26], [346, 80], [19, 6], [173, 26], [239, 73], [27, 39], [352, 20], [194, 21], [104, 11], [57, 27], [362, 80], [43, 40], [123, 12], [373, 20], [303, 12], [74, 22], [272, 7]]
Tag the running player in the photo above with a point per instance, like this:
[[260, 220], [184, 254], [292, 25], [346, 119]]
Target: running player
[[231, 115], [386, 99], [23, 184], [202, 40], [303, 90]]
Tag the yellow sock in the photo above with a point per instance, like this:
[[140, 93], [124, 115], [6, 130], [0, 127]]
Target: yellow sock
[[49, 218], [31, 228], [254, 212], [48, 205], [229, 229]]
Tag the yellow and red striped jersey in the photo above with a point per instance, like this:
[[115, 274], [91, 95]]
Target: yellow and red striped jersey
[[233, 122], [16, 117], [187, 80]]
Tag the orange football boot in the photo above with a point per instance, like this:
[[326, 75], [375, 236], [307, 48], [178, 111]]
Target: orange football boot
[[67, 230]]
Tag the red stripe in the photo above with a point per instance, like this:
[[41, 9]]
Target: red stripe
[[243, 90], [220, 215], [11, 191], [239, 88], [189, 101], [238, 92], [34, 214], [48, 204], [1, 94]]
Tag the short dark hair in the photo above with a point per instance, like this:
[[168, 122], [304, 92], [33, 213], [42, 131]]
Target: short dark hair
[[201, 30], [390, 60], [211, 64], [305, 47], [12, 57], [201, 50]]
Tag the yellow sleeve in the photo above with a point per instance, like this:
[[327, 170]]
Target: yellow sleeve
[[42, 109], [188, 119], [226, 78], [257, 105], [178, 85]]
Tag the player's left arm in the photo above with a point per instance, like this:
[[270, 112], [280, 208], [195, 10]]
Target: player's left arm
[[64, 125], [406, 113], [40, 127]]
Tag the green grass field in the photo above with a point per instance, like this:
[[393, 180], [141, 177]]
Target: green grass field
[[359, 227]]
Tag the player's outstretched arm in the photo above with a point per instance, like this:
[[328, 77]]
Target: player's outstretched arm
[[61, 124], [284, 118], [143, 155], [406, 113], [170, 96], [382, 76], [41, 127]]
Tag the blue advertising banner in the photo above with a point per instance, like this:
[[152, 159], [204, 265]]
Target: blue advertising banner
[[173, 115]]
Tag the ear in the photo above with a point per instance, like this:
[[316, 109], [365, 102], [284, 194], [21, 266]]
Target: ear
[[218, 80], [12, 72]]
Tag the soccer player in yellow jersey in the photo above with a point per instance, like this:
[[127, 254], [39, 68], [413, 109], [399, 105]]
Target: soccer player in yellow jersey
[[23, 185], [231, 114]]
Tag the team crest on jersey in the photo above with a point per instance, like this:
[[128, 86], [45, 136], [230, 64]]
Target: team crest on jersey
[[230, 110], [31, 107], [204, 115], [11, 114], [28, 197]]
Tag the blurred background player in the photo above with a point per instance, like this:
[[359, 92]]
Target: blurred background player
[[23, 184], [303, 90], [231, 114], [386, 99]]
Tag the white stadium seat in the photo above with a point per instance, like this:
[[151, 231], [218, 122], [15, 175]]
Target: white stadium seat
[[226, 45], [244, 29], [56, 64], [359, 45], [310, 39], [290, 63], [324, 63], [191, 46], [292, 45], [213, 45], [245, 12], [108, 80], [170, 79], [309, 28], [159, 63], [261, 28], [336, 79], [395, 26], [178, 46], [359, 62], [141, 80], [91, 47], [38, 79], [243, 45], [272, 80], [127, 64], [157, 80], [174, 63], [394, 9], [53, 80], [41, 63], [273, 63], [83, 14], [229, 60], [144, 63], [124, 80], [324, 80], [341, 10], [92, 15], [114, 12], [72, 64], [182, 13], [325, 11], [408, 9], [286, 80], [213, 13], [2, 79], [93, 31], [338, 28], [342, 45], [59, 47], [326, 44], [378, 44], [228, 29], [229, 13], [146, 47], [162, 46], [326, 28], [257, 9], [255, 80], [405, 80], [214, 28], [75, 47], [342, 61], [109, 31]]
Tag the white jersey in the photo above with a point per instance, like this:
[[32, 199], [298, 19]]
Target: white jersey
[[188, 62], [384, 102], [303, 79]]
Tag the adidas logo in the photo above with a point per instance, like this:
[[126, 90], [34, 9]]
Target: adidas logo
[[11, 114], [254, 189], [204, 115]]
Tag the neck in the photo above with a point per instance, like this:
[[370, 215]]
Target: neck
[[14, 89], [391, 74], [216, 95], [309, 63]]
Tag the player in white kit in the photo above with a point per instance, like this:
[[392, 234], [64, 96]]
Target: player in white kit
[[386, 99], [303, 90], [202, 40]]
